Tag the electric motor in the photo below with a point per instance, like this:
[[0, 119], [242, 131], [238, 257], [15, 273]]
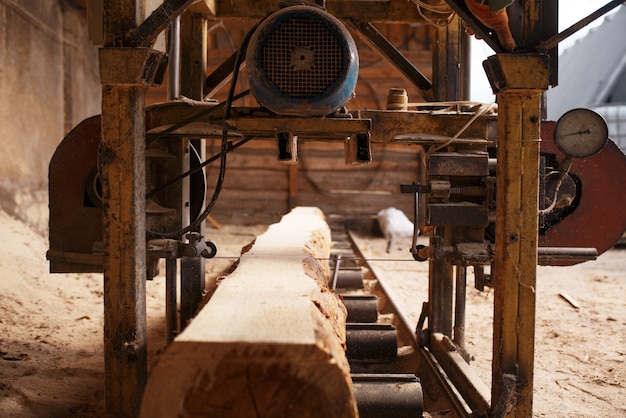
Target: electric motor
[[302, 61]]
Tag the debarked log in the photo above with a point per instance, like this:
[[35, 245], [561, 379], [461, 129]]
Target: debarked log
[[271, 340]]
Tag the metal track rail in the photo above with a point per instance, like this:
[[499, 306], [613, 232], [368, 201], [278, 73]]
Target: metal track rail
[[348, 263], [381, 388]]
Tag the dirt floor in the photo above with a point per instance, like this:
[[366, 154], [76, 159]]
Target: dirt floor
[[51, 361]]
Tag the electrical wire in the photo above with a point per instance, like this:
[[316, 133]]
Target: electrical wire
[[224, 145], [194, 170], [193, 118], [563, 171], [483, 109], [443, 9], [343, 258]]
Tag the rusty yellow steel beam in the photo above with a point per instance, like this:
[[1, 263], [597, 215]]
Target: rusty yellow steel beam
[[393, 126], [125, 76], [520, 81], [264, 126], [123, 201], [385, 126]]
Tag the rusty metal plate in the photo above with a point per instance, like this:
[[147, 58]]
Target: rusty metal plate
[[75, 216], [599, 220]]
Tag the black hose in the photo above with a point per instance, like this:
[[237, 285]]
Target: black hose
[[224, 148]]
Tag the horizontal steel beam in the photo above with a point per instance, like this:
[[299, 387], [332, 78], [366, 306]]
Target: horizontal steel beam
[[389, 11], [416, 127]]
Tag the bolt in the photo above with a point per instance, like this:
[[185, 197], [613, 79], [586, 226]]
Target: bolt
[[439, 254]]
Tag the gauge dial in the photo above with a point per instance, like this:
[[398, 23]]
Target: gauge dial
[[581, 133]]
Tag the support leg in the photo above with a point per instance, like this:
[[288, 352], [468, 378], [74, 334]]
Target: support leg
[[123, 194], [523, 79]]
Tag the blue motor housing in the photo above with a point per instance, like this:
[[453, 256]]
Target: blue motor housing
[[302, 61]]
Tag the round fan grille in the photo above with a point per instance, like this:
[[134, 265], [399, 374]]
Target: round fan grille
[[302, 58], [302, 61]]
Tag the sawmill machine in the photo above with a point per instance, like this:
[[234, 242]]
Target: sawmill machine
[[499, 189]]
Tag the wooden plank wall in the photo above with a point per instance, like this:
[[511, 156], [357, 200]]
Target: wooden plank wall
[[256, 187]]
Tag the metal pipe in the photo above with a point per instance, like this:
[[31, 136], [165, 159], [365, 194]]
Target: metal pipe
[[459, 306], [145, 34], [173, 88], [440, 285], [550, 255], [381, 396], [361, 308], [371, 343], [349, 279], [171, 326]]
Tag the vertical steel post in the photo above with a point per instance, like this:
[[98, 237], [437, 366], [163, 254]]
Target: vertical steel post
[[192, 75], [449, 64], [122, 172], [171, 303], [459, 305], [173, 49], [292, 178], [520, 81], [440, 290], [193, 55]]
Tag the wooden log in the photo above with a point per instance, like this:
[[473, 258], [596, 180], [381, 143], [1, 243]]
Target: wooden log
[[270, 342]]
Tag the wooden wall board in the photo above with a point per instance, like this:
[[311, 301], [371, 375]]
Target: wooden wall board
[[256, 188]]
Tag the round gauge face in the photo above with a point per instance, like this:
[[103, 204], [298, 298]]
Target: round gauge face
[[581, 133]]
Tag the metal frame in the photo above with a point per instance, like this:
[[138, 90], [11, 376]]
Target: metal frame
[[519, 78]]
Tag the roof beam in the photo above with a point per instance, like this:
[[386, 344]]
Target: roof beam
[[378, 11], [145, 34]]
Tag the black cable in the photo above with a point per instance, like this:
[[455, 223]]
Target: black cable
[[224, 148], [195, 117], [196, 169]]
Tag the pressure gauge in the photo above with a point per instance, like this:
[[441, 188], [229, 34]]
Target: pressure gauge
[[581, 133]]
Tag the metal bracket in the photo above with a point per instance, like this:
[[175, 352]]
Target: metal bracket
[[172, 249], [358, 149], [287, 147], [370, 35], [132, 66], [509, 71]]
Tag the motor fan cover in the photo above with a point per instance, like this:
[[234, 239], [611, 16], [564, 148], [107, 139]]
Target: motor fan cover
[[302, 61]]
